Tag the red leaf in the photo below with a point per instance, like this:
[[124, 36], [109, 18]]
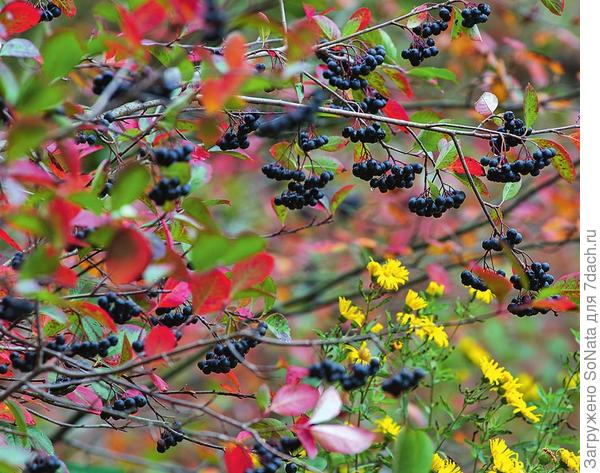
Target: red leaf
[[209, 291], [343, 438], [160, 340], [7, 239], [95, 312], [364, 15], [160, 383], [251, 271], [70, 153], [127, 256], [19, 16], [180, 291], [499, 285], [294, 399], [393, 109], [237, 458], [84, 396], [65, 277], [149, 16], [303, 431], [67, 6], [557, 304], [473, 166]]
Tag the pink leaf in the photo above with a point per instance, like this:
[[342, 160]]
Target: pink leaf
[[305, 436], [84, 396], [251, 271], [294, 399], [343, 438], [160, 383], [436, 272], [159, 340], [328, 407], [180, 291], [295, 374], [486, 104]]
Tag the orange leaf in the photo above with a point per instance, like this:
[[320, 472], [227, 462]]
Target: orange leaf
[[127, 256], [499, 285]]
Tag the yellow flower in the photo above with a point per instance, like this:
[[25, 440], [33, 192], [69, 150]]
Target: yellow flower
[[529, 388], [472, 350], [483, 296], [414, 300], [424, 328], [387, 426], [505, 460], [397, 345], [434, 289], [441, 465], [569, 460], [350, 311], [377, 328], [390, 275], [358, 355], [492, 371]]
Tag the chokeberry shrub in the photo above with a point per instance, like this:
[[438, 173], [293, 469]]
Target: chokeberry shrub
[[266, 237]]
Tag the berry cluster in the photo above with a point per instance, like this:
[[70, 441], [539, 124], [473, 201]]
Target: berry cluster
[[433, 28], [500, 170], [215, 21], [128, 405], [169, 438], [233, 138], [537, 275], [24, 362], [12, 308], [17, 260], [49, 11], [168, 156], [369, 134], [101, 81], [470, 280], [42, 464], [301, 194], [83, 138], [168, 189], [513, 126], [222, 359], [521, 306], [346, 74], [172, 316], [270, 462], [373, 104], [292, 119], [420, 50], [399, 177], [356, 378], [92, 349], [403, 381], [121, 310], [513, 237], [429, 207], [475, 15], [308, 144]]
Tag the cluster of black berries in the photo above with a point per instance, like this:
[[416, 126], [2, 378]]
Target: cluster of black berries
[[369, 134], [168, 189], [403, 381], [373, 104], [128, 405], [270, 462], [355, 378], [346, 75], [83, 138], [58, 390], [17, 260], [429, 207], [538, 277], [420, 50], [92, 349], [120, 309], [3, 368], [279, 173], [168, 156], [308, 144], [521, 306], [13, 308], [500, 170], [471, 280], [233, 139], [42, 464], [225, 356], [25, 361], [301, 194], [399, 177], [513, 126], [215, 21], [513, 237], [433, 28], [172, 316], [292, 119], [107, 188], [100, 83], [474, 15], [169, 438], [49, 11]]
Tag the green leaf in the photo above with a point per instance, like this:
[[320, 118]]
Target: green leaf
[[339, 197], [23, 137], [211, 250], [413, 452], [197, 209], [39, 440], [130, 184], [324, 163], [433, 73], [448, 155], [281, 211], [530, 106], [278, 324], [263, 397], [351, 26], [511, 189], [61, 53], [17, 412], [557, 7]]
